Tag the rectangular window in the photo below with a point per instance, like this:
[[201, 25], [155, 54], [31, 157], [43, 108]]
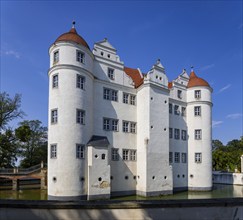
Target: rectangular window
[[54, 116], [198, 157], [111, 73], [114, 95], [170, 108], [106, 124], [183, 111], [80, 116], [106, 94], [125, 98], [56, 56], [170, 132], [53, 151], [183, 135], [114, 124], [133, 155], [115, 154], [125, 154], [170, 157], [80, 56], [80, 80], [176, 110], [179, 94], [55, 81], [177, 157], [125, 126], [80, 149], [198, 134], [197, 110], [197, 94], [177, 133], [183, 157], [132, 127], [132, 99]]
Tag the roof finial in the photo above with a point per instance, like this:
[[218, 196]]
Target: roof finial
[[73, 24], [158, 61], [192, 70]]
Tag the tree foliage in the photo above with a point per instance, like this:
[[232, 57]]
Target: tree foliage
[[227, 158], [32, 139]]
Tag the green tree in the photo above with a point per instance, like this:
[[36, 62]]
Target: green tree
[[32, 137]]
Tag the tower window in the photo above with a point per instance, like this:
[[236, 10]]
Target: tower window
[[115, 154], [54, 116], [56, 56], [55, 81], [179, 94], [198, 134], [80, 80], [198, 157], [80, 149], [53, 151], [197, 110], [111, 73], [80, 56], [177, 157], [197, 94], [80, 116], [183, 157]]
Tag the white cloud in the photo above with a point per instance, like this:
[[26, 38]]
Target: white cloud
[[224, 88], [207, 67], [216, 123], [12, 53], [234, 116]]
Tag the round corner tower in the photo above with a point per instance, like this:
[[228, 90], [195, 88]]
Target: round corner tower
[[199, 121], [69, 115]]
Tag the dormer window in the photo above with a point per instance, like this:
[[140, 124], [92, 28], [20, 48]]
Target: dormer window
[[111, 73], [179, 94], [56, 56], [80, 56]]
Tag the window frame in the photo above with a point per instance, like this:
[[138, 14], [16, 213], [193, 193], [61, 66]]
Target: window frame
[[54, 117], [198, 134], [115, 154], [80, 59], [80, 119], [80, 151], [111, 73], [198, 157], [80, 81], [53, 151], [55, 82]]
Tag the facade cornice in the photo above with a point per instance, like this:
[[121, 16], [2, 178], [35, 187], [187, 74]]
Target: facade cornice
[[179, 102], [155, 85], [68, 66], [114, 64], [200, 102]]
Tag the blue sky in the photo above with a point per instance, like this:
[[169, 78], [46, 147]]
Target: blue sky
[[205, 34]]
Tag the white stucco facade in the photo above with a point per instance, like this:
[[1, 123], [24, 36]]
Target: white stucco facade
[[116, 131]]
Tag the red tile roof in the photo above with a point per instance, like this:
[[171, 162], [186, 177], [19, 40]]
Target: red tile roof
[[170, 85], [73, 36], [135, 75], [196, 81]]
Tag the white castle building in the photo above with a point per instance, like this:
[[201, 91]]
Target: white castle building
[[114, 130]]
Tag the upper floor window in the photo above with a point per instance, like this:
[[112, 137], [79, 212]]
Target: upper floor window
[[198, 157], [80, 56], [125, 154], [183, 111], [183, 135], [170, 108], [80, 149], [55, 81], [183, 157], [179, 94], [125, 125], [170, 132], [177, 157], [197, 94], [197, 110], [176, 110], [53, 152], [56, 56], [132, 99], [170, 157], [110, 124], [133, 127], [110, 94], [114, 154], [133, 155], [177, 133], [80, 116], [125, 98], [198, 134], [80, 80], [128, 126], [54, 116], [111, 73]]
